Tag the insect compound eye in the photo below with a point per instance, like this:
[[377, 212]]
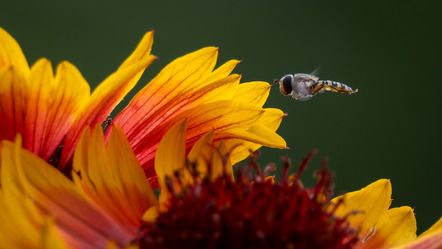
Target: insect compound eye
[[286, 86]]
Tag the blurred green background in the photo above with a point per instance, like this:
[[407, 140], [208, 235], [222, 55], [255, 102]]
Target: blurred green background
[[390, 51]]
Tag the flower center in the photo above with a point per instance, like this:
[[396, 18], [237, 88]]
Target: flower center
[[224, 213]]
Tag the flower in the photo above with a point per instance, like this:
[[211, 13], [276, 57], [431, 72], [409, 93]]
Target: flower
[[43, 108], [50, 119]]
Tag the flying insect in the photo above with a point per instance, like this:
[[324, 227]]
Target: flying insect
[[302, 86]]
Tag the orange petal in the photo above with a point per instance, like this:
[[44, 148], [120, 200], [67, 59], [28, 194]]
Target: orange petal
[[109, 93], [167, 94]]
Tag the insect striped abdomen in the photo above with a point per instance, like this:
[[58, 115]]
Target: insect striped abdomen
[[333, 86]]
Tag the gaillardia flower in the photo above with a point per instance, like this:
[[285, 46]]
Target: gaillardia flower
[[109, 203], [50, 112]]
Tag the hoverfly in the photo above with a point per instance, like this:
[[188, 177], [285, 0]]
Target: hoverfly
[[302, 86]]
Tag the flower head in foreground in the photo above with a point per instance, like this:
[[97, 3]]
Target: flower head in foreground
[[111, 205], [49, 112]]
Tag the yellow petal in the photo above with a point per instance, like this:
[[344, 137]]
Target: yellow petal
[[253, 92], [222, 89], [11, 53], [220, 162], [22, 226], [201, 148], [395, 227], [370, 202], [210, 159], [51, 239], [21, 222], [151, 214], [170, 155], [260, 135], [437, 226], [141, 52], [223, 71], [269, 122]]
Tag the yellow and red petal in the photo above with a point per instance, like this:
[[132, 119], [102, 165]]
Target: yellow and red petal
[[189, 88], [53, 106], [166, 95], [109, 93], [34, 103], [80, 222], [430, 239], [112, 176], [13, 96], [395, 227]]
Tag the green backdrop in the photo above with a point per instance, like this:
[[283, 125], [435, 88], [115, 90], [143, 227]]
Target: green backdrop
[[390, 51]]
